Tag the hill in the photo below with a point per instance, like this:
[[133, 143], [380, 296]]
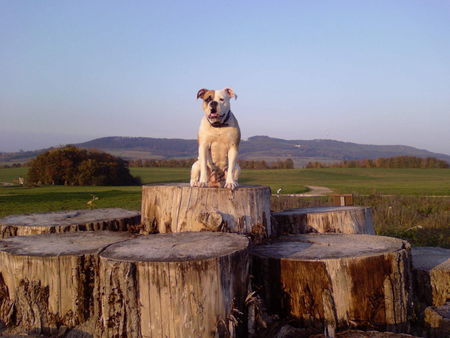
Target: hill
[[264, 147], [255, 148]]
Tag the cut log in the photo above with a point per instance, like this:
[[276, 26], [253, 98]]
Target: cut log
[[174, 285], [179, 208], [48, 281], [431, 271], [113, 219], [345, 220], [336, 281], [437, 321]]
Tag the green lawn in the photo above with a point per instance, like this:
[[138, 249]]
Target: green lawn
[[361, 181], [422, 182], [10, 174]]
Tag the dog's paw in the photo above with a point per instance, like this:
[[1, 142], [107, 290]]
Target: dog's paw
[[202, 184], [231, 185], [194, 183]]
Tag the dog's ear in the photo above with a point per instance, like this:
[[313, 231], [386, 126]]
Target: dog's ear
[[231, 92], [201, 93]]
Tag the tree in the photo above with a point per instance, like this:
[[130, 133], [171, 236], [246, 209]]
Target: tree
[[73, 166], [289, 163]]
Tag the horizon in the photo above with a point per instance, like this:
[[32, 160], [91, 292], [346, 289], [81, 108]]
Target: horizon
[[366, 73], [193, 139]]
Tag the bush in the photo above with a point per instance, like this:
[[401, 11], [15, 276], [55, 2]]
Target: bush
[[73, 166]]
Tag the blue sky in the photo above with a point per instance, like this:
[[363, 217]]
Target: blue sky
[[373, 72]]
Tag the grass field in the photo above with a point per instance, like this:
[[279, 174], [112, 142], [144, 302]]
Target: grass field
[[421, 182], [408, 214]]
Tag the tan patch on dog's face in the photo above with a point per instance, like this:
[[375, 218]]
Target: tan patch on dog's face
[[207, 98]]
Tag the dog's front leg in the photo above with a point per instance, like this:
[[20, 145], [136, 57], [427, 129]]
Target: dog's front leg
[[231, 182], [203, 160]]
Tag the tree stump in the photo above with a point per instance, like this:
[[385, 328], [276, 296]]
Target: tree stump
[[431, 271], [346, 220], [48, 281], [336, 281], [174, 285], [113, 219], [179, 208]]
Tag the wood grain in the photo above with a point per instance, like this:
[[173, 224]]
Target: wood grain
[[174, 285], [179, 208]]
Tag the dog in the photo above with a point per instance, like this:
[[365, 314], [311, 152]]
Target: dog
[[218, 142]]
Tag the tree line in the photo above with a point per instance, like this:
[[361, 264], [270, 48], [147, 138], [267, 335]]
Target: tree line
[[14, 165], [187, 163], [385, 162]]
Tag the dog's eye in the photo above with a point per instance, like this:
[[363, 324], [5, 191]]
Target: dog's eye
[[208, 99], [221, 100]]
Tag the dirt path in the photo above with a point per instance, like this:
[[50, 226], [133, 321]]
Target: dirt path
[[317, 191], [314, 190]]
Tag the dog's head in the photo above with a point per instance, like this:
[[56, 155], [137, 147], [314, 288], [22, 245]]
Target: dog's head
[[216, 103]]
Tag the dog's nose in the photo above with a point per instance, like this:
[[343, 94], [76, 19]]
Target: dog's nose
[[214, 104]]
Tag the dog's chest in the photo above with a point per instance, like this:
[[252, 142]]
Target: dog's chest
[[225, 136], [220, 139]]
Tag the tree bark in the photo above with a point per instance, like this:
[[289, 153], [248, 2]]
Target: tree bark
[[113, 219], [336, 281], [179, 208], [345, 220], [48, 281], [174, 285]]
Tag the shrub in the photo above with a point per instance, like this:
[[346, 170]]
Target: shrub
[[73, 166]]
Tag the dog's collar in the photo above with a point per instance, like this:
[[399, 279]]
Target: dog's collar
[[221, 124]]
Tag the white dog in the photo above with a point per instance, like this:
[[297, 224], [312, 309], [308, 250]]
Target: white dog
[[218, 142]]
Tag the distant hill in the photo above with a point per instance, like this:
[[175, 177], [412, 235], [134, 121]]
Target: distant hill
[[264, 146], [255, 148]]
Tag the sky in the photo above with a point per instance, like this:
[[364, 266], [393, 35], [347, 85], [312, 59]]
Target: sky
[[372, 72]]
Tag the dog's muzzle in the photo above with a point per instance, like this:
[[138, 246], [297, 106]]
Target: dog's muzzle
[[213, 115], [218, 120]]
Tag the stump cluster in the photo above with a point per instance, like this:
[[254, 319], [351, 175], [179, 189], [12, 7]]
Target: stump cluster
[[209, 262]]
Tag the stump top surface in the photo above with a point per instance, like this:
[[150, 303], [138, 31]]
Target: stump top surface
[[174, 247], [429, 258], [62, 244], [317, 210], [67, 217], [186, 185], [328, 246]]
